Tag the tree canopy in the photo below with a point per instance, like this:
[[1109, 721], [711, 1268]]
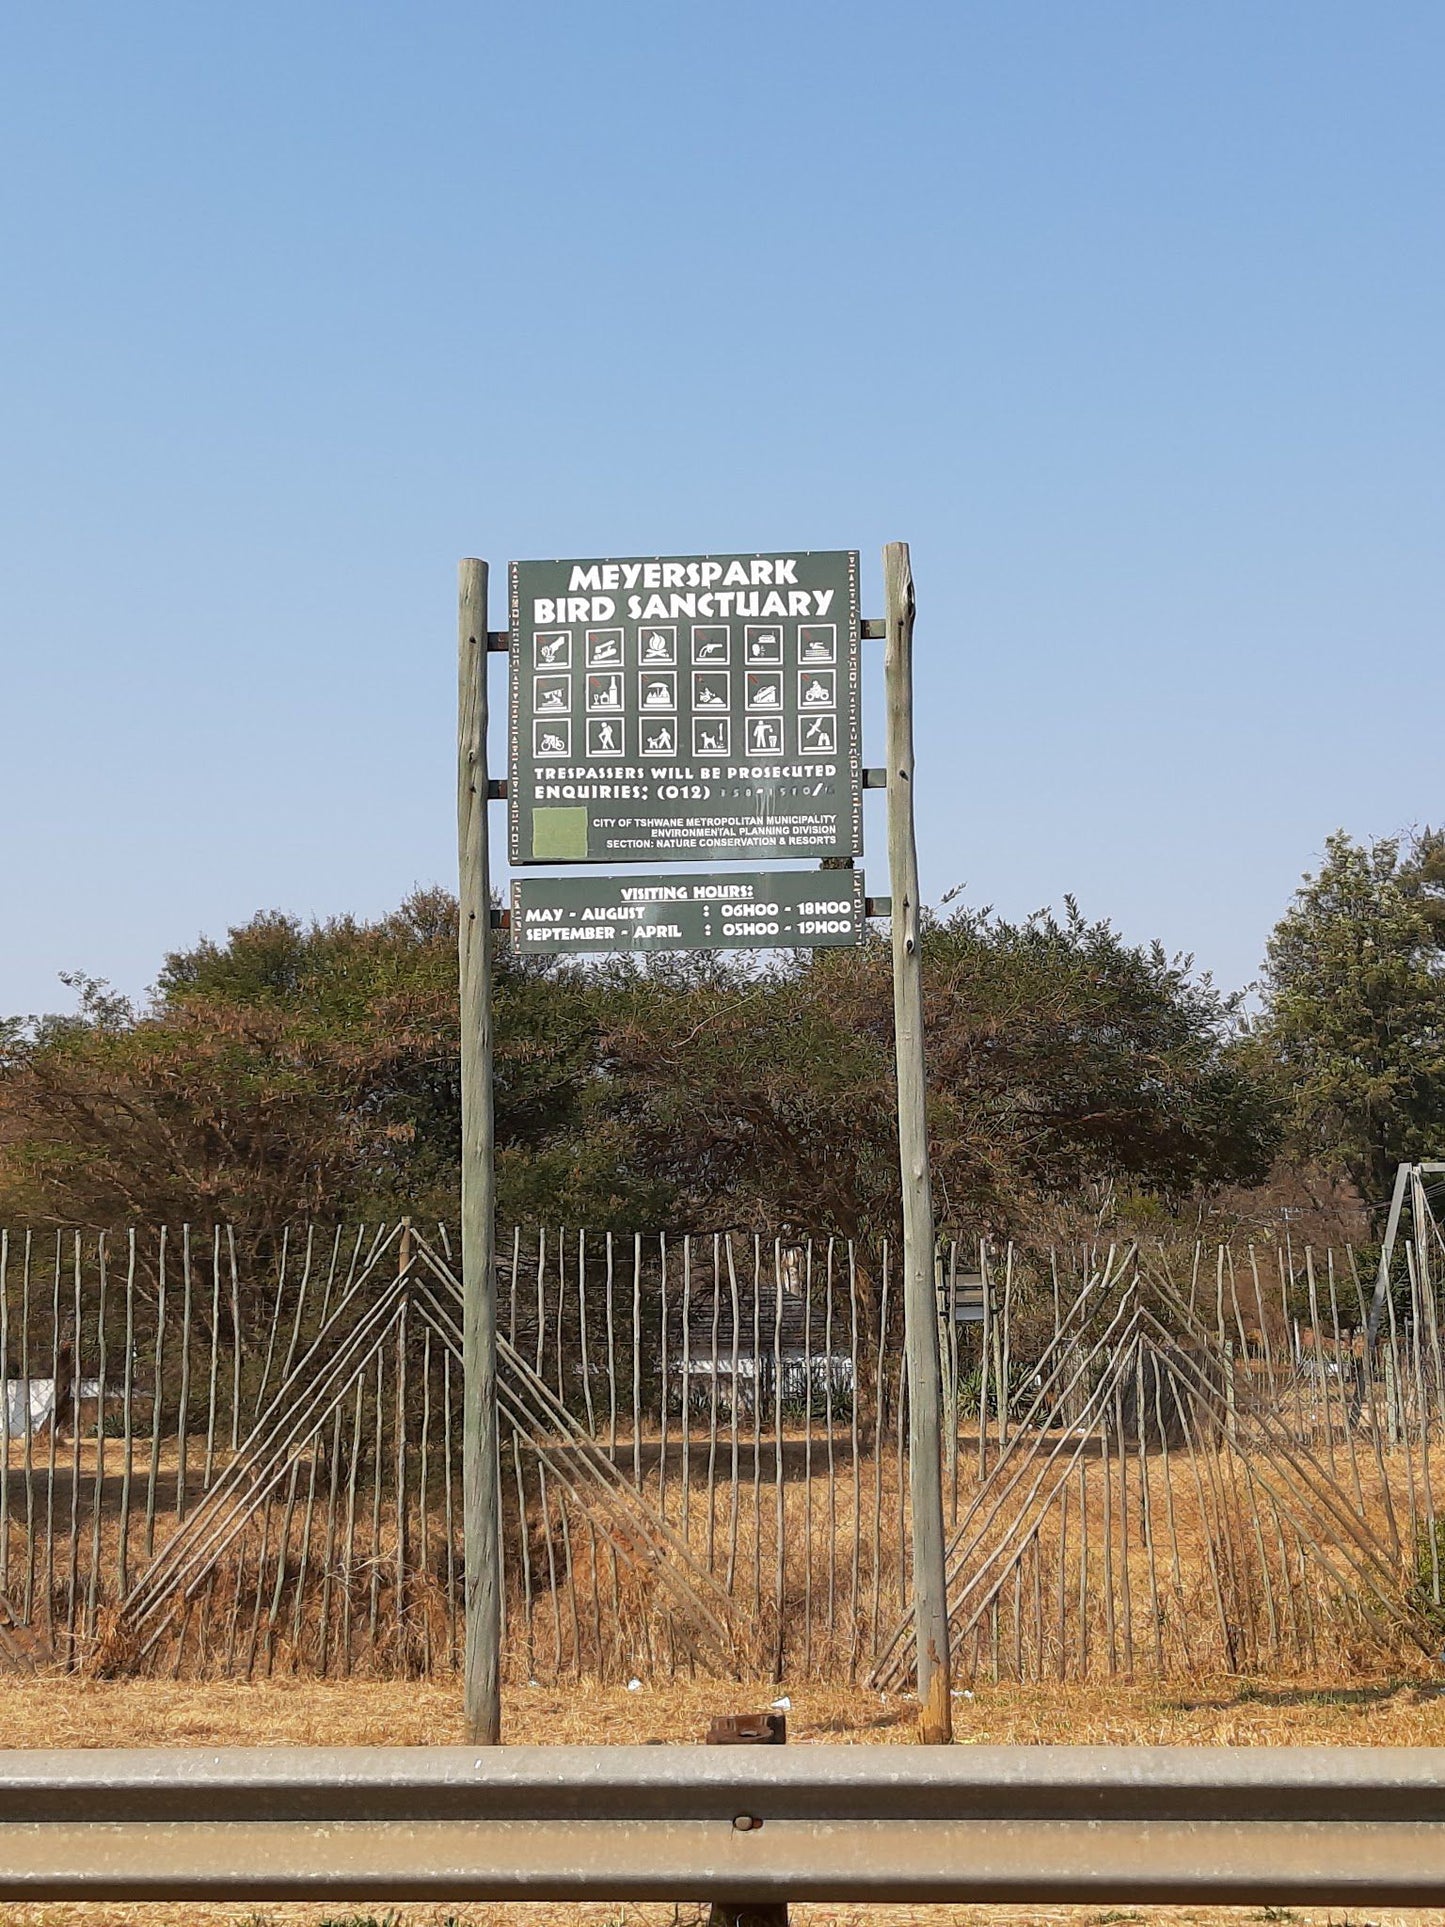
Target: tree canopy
[[1060, 1059], [1353, 1024], [313, 1070]]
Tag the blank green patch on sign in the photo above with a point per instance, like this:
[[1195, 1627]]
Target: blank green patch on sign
[[559, 836]]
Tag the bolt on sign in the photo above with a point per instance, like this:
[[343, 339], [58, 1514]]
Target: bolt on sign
[[751, 910], [671, 709]]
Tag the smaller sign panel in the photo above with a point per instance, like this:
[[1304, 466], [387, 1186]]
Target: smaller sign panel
[[753, 910]]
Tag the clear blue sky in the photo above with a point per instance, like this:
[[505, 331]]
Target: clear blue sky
[[1128, 316]]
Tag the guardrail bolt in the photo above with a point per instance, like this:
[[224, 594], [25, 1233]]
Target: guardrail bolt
[[748, 1729]]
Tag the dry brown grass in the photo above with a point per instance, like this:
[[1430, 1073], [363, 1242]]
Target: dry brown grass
[[1203, 1579], [68, 1711], [61, 1710]]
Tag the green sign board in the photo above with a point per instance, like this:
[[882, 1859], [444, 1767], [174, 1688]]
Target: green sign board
[[753, 910], [685, 708]]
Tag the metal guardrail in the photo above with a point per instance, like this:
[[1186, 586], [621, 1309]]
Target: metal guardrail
[[831, 1823]]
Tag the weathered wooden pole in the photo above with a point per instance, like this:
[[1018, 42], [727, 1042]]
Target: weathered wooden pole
[[480, 1474], [920, 1307]]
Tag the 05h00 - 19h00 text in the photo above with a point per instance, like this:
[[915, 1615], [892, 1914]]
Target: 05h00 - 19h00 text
[[770, 910]]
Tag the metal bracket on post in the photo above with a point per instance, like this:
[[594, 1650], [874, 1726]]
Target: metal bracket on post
[[748, 1729]]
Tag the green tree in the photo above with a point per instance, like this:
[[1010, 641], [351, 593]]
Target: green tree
[[1060, 1059], [312, 1070], [1353, 1024], [292, 1071]]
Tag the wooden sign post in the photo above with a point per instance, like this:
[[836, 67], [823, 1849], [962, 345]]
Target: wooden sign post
[[480, 1474], [667, 709], [920, 1307]]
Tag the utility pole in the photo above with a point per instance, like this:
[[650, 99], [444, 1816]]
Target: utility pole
[[920, 1306], [480, 1469]]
